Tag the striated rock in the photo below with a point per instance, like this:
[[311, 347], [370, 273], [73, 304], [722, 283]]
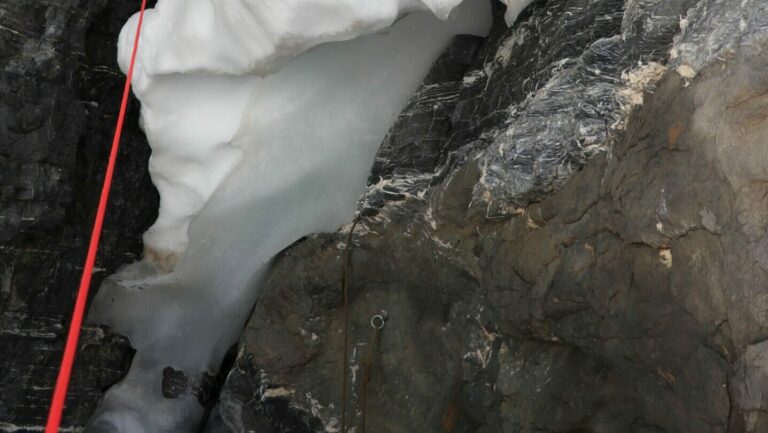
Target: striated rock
[[28, 376], [616, 291], [567, 114], [59, 97], [416, 144]]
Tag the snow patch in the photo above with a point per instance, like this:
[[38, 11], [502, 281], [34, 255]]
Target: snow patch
[[514, 7]]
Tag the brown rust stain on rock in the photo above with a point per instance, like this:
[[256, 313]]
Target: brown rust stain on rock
[[674, 133], [448, 422]]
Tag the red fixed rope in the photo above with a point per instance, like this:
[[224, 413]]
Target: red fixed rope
[[65, 371]]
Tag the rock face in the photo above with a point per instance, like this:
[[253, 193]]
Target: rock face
[[59, 96], [565, 229], [550, 258]]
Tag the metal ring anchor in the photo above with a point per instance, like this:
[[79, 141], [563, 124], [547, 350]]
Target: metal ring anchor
[[377, 321]]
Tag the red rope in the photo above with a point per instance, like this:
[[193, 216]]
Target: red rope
[[65, 371]]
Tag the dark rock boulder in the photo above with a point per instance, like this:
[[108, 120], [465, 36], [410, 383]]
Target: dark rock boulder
[[59, 96]]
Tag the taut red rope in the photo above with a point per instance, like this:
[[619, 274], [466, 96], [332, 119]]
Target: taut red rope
[[70, 349]]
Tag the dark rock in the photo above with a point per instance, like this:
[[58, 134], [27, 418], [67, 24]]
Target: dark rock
[[748, 389], [415, 145], [205, 387], [552, 128], [175, 383], [29, 375], [59, 96]]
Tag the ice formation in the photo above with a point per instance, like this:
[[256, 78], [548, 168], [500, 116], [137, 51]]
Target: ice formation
[[514, 7], [256, 142], [211, 53]]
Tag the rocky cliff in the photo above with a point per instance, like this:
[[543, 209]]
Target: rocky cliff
[[59, 97], [565, 229]]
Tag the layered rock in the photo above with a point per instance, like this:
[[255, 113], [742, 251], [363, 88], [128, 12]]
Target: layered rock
[[59, 96]]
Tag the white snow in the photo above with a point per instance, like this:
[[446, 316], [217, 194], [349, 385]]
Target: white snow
[[514, 7], [255, 36], [247, 162]]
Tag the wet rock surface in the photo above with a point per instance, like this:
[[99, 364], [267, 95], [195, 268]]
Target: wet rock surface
[[626, 296], [59, 97]]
